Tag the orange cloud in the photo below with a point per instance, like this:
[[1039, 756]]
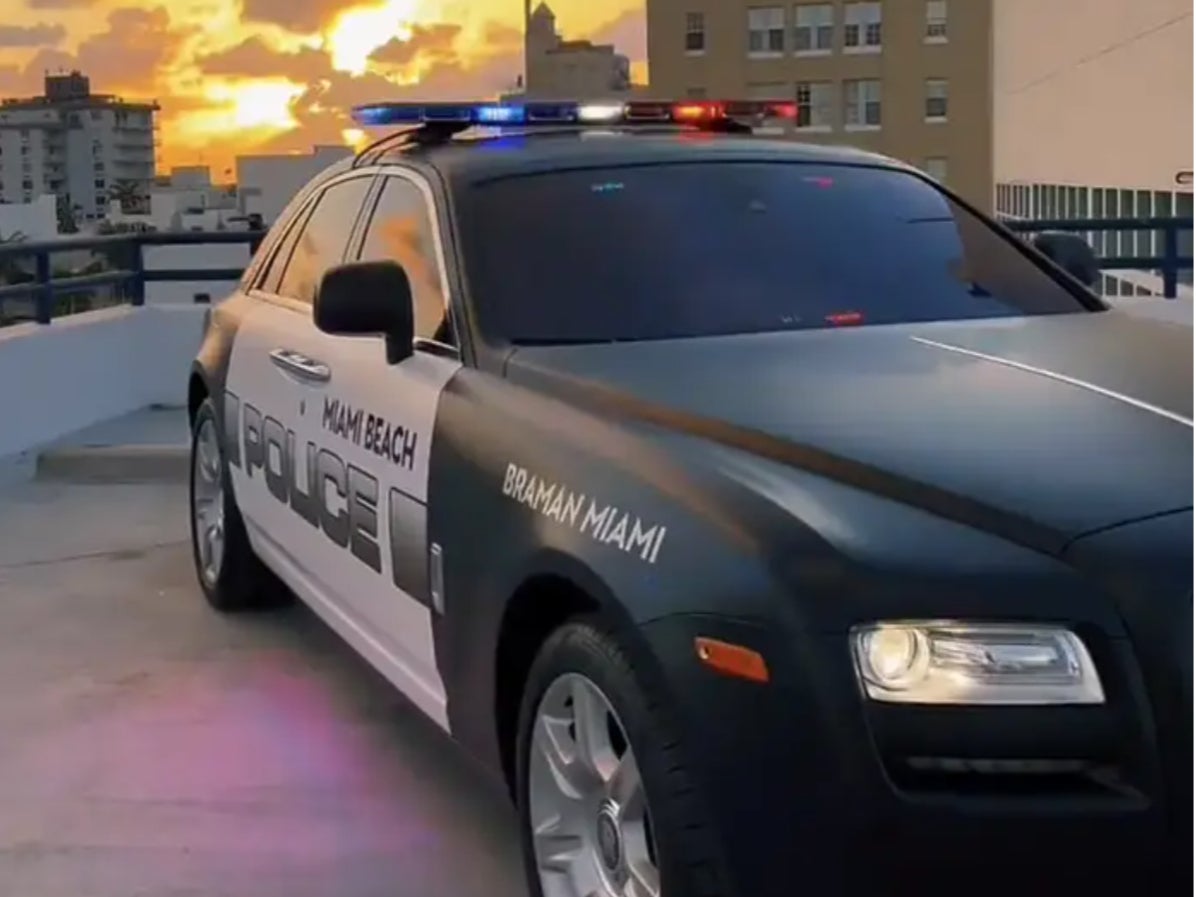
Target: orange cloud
[[435, 41], [31, 35], [129, 54]]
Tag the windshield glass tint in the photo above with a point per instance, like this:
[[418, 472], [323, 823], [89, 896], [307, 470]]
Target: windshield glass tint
[[662, 251]]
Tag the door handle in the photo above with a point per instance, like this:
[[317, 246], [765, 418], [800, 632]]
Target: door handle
[[301, 366]]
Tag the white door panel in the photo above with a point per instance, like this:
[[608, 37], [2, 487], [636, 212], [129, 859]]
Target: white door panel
[[374, 421], [261, 404]]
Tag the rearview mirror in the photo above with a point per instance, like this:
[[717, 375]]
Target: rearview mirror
[[1071, 253], [363, 298]]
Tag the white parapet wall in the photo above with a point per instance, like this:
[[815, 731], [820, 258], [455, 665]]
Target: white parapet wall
[[82, 369]]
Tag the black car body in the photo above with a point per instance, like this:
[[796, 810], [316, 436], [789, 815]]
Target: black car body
[[972, 437]]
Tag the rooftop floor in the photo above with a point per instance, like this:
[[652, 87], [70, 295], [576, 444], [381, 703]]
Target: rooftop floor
[[152, 746]]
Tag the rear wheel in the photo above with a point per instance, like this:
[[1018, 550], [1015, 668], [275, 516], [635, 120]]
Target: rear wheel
[[605, 804], [230, 574]]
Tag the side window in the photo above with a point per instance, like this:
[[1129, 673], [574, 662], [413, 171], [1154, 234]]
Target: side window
[[322, 239], [401, 229]]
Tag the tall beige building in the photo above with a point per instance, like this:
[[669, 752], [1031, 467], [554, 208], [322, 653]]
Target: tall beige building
[[1035, 106]]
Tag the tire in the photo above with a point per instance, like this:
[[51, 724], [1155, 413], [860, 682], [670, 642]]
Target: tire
[[235, 580], [681, 840]]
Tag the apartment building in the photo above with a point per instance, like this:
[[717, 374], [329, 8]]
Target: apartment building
[[84, 148], [985, 95]]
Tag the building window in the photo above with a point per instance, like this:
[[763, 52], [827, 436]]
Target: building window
[[766, 31], [936, 21], [814, 102], [99, 184], [814, 28], [695, 32], [936, 99], [936, 167], [861, 105], [861, 30]]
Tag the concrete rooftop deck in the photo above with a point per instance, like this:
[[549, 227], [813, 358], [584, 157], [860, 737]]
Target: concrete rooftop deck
[[153, 747]]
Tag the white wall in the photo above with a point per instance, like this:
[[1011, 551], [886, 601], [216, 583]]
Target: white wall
[[268, 183], [81, 369], [86, 368], [37, 220], [215, 255], [1084, 96]]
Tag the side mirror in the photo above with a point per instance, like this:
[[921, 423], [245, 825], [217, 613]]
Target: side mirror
[[367, 298], [1071, 253]]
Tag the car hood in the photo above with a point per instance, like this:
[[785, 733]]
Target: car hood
[[1039, 429]]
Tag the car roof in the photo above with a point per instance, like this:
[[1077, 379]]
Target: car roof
[[465, 161]]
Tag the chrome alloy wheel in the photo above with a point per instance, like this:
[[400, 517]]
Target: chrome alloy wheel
[[207, 501], [591, 829]]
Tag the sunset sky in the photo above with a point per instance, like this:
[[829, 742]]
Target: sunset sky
[[242, 76]]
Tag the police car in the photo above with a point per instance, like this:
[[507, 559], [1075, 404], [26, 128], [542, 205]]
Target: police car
[[768, 518]]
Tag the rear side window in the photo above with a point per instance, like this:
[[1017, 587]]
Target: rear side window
[[696, 249], [272, 276], [321, 240]]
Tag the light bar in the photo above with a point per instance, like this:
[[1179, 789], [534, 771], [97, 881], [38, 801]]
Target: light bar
[[697, 113]]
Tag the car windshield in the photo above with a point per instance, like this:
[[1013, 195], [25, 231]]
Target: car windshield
[[682, 250]]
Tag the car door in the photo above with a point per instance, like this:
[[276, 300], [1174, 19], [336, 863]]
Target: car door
[[273, 383], [374, 425]]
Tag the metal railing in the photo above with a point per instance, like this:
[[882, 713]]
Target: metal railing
[[122, 258], [126, 272], [1169, 263]]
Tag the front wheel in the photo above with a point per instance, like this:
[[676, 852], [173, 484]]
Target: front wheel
[[230, 574], [605, 803]]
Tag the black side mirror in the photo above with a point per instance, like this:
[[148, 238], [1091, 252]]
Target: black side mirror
[[364, 298], [1071, 253]]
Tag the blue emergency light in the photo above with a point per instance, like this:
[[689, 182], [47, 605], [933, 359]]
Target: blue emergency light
[[598, 112]]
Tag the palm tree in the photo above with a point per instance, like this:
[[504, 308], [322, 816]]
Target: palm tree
[[67, 222], [130, 195]]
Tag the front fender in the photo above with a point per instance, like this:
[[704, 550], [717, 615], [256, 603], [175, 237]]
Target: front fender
[[524, 486]]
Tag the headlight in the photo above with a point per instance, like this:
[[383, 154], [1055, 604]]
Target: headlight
[[963, 663]]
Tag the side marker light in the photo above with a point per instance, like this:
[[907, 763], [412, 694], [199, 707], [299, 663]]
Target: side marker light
[[731, 660]]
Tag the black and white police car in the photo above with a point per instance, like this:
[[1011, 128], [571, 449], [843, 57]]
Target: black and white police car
[[769, 518]]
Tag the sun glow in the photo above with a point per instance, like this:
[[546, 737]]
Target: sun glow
[[257, 104], [358, 32], [246, 111]]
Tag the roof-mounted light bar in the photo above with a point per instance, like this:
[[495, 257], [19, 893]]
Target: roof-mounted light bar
[[698, 113]]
